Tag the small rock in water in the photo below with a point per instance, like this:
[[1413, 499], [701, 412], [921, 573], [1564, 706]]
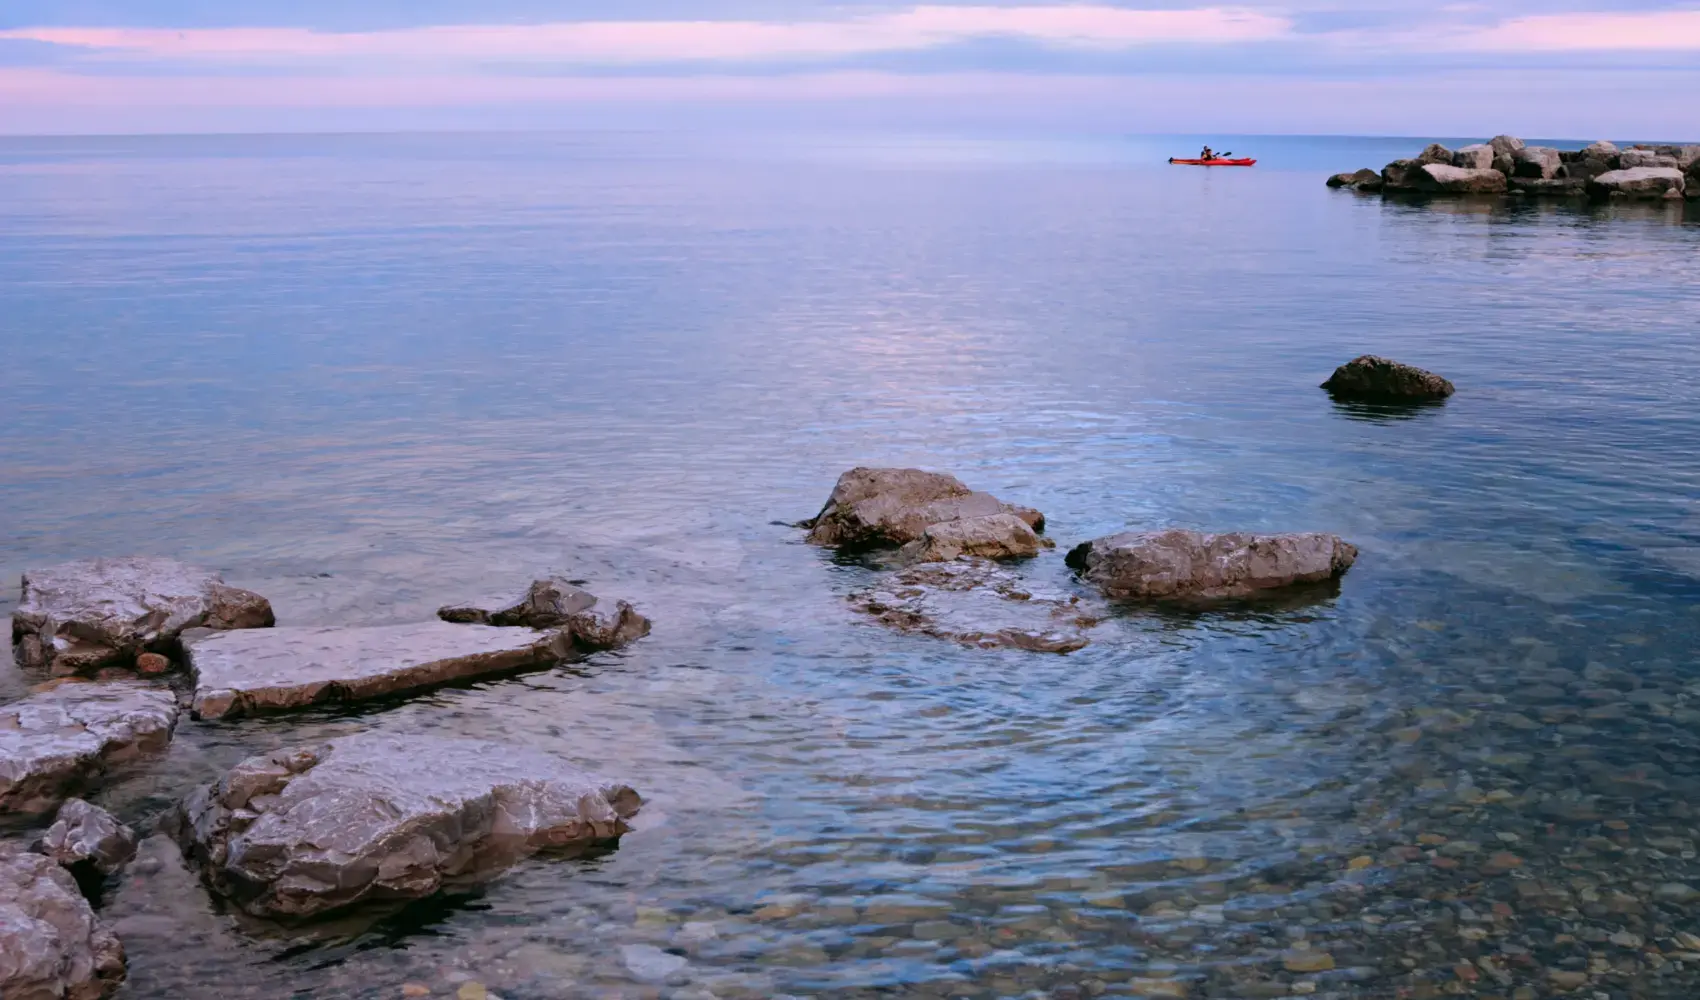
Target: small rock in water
[[1178, 565], [415, 990], [872, 508], [84, 834], [473, 990], [651, 964], [1371, 379], [1308, 961], [152, 663]]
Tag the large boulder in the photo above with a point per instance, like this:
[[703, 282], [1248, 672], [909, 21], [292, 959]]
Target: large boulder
[[1371, 379], [52, 947], [1396, 175], [1361, 180], [1685, 156], [79, 616], [1434, 152], [1601, 150], [277, 669], [87, 836], [873, 508], [1505, 145], [1442, 178], [991, 536], [1631, 158], [1179, 565], [1637, 183], [554, 603], [1476, 157], [1538, 162], [977, 603], [56, 741], [375, 818]]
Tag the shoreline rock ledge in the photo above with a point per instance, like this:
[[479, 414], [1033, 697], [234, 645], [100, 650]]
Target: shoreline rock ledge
[[1179, 565], [374, 818], [55, 741], [80, 616], [52, 946], [1369, 379], [931, 516]]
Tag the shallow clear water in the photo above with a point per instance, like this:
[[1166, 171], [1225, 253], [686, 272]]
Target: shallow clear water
[[368, 375]]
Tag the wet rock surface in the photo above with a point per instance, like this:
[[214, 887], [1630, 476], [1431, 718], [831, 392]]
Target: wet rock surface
[[554, 603], [875, 508], [1447, 179], [279, 669], [87, 836], [978, 603], [52, 947], [57, 741], [1372, 379], [79, 616], [1637, 183], [375, 818], [991, 536], [1179, 565]]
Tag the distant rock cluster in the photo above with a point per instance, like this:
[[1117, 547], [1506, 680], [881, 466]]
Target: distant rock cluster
[[1506, 165]]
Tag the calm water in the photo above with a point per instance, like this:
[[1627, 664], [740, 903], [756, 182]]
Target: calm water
[[366, 376]]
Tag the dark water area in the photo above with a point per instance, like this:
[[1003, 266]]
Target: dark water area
[[370, 375]]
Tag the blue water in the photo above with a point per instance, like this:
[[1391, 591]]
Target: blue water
[[366, 375]]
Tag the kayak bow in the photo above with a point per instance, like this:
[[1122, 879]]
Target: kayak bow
[[1214, 163]]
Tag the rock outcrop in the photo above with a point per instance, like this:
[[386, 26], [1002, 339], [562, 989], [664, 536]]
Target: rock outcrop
[[875, 508], [1637, 184], [977, 603], [1362, 180], [54, 742], [52, 947], [1371, 379], [79, 616], [87, 836], [373, 818], [277, 669], [1179, 565], [1539, 171], [557, 604], [990, 536]]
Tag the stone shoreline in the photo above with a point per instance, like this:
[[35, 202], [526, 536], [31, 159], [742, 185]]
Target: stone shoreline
[[1507, 166]]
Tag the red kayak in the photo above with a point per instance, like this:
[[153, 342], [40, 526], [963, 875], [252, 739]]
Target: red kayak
[[1214, 163]]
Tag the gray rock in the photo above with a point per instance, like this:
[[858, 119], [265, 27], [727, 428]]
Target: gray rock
[[991, 536], [1537, 162], [1185, 565], [1505, 145], [1637, 183], [1557, 187], [1601, 150], [52, 947], [977, 603], [278, 669], [84, 834], [1396, 175], [1476, 157], [1631, 158], [1371, 379], [1676, 892], [57, 740], [557, 604], [1445, 179], [1434, 152], [80, 616], [1362, 180], [1686, 156], [368, 818], [651, 964], [871, 508]]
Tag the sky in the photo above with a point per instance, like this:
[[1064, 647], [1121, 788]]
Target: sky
[[1554, 68]]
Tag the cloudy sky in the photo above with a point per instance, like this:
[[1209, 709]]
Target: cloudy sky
[[1557, 68]]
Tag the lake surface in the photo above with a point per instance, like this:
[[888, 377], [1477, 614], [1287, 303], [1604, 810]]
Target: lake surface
[[370, 375]]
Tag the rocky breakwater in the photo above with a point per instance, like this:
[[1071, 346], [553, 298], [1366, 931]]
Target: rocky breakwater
[[52, 946], [80, 616], [58, 740], [372, 818], [948, 544], [1507, 165], [1181, 566]]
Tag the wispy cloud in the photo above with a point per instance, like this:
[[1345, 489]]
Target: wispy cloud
[[613, 42], [1649, 31]]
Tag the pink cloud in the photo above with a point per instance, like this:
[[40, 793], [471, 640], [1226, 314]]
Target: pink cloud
[[1671, 30]]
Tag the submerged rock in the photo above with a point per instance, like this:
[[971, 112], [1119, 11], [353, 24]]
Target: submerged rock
[[87, 835], [1184, 565], [1378, 380], [1446, 179], [370, 818], [57, 740], [272, 670], [557, 604], [873, 508], [1637, 183], [79, 616], [977, 603], [52, 947]]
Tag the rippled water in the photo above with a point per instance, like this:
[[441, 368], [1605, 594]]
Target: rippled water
[[369, 375]]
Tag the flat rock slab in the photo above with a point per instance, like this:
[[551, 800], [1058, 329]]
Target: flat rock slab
[[554, 603], [51, 944], [53, 742], [1371, 379], [79, 616], [370, 818], [977, 603], [278, 669], [875, 508], [1181, 565]]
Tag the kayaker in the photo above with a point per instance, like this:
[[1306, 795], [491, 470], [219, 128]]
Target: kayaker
[[1208, 154]]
